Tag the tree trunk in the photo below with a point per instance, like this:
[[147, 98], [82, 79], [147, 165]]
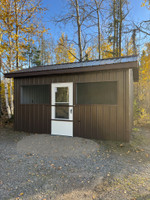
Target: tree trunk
[[99, 31], [11, 96], [6, 98], [0, 85], [79, 30], [17, 32], [134, 42], [0, 72], [120, 27], [127, 46], [114, 24], [11, 81]]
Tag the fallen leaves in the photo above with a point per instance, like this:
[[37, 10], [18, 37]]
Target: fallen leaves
[[21, 194], [141, 149], [121, 145], [59, 168], [147, 155]]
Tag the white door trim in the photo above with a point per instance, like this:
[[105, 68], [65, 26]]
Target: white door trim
[[62, 126]]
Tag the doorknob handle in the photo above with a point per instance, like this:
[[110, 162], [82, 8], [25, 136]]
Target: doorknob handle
[[71, 111]]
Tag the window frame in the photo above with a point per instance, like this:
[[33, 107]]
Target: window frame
[[76, 99], [49, 95]]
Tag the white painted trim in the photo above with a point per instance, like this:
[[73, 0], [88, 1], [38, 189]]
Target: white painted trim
[[70, 85], [60, 126], [70, 113]]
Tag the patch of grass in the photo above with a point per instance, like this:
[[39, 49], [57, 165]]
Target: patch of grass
[[132, 186], [139, 142], [135, 129]]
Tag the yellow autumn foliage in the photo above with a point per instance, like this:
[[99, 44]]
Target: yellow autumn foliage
[[142, 88], [146, 3], [19, 23], [63, 51]]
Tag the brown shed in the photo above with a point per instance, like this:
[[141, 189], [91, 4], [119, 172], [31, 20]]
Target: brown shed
[[92, 99]]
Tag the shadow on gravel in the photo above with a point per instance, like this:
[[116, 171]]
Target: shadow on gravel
[[56, 146]]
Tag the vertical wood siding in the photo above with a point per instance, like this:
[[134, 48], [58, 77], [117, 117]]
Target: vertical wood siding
[[108, 122]]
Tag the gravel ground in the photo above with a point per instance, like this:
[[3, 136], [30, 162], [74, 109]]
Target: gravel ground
[[56, 146], [43, 167]]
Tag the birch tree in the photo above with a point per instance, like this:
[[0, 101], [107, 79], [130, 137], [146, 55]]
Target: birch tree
[[18, 18]]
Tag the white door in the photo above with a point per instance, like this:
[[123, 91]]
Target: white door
[[62, 109]]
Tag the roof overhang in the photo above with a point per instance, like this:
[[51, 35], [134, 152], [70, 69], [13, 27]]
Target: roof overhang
[[130, 62]]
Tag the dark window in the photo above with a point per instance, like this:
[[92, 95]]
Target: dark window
[[62, 94], [62, 112], [97, 93], [35, 94], [62, 102]]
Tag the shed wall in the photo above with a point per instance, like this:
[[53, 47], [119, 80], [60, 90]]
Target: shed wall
[[110, 122], [131, 98]]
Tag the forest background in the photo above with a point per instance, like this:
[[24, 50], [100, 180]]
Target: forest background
[[40, 32]]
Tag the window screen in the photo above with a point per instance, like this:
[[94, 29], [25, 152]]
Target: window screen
[[97, 93], [35, 94]]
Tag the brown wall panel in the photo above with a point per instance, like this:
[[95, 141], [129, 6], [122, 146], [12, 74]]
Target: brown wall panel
[[90, 121], [100, 134]]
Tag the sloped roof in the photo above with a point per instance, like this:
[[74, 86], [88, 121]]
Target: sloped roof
[[80, 67]]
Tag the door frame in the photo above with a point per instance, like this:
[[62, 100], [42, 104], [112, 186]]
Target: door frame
[[61, 126]]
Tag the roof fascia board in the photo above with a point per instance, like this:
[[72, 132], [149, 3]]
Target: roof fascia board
[[82, 69]]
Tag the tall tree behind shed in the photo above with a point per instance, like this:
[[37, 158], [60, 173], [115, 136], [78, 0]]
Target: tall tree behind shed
[[96, 7], [17, 19], [76, 13], [118, 13], [64, 52]]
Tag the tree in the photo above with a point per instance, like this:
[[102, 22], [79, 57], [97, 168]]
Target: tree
[[32, 55], [0, 71], [142, 93], [144, 26], [95, 18], [18, 19], [130, 45], [118, 13], [93, 49], [146, 3], [98, 9], [64, 52], [77, 14], [46, 47]]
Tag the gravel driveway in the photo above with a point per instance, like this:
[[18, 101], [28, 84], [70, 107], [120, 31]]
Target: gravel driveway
[[44, 167]]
